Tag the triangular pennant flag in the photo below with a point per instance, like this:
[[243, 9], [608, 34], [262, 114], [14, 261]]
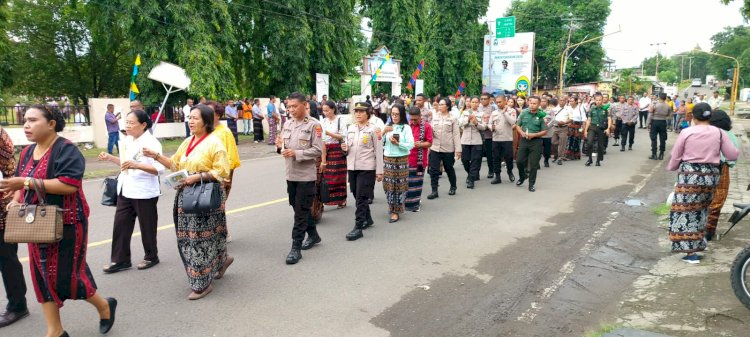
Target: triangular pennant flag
[[134, 88], [138, 59]]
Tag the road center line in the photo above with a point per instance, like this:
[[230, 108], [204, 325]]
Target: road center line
[[234, 211]]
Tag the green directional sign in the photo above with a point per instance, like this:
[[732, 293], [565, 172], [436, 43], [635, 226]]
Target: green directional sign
[[505, 27]]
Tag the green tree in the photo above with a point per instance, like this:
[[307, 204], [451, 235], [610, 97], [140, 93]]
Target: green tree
[[735, 42], [6, 62], [631, 84], [545, 18], [66, 50], [197, 35], [745, 8], [336, 41]]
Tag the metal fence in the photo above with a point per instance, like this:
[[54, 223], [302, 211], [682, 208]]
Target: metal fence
[[80, 114]]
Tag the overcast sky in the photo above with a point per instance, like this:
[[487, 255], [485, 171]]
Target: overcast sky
[[680, 23]]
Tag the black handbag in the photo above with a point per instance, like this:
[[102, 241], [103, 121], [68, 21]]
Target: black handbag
[[109, 195], [201, 197], [325, 196]]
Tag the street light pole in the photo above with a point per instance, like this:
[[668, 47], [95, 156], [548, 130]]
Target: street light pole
[[657, 44], [735, 80], [690, 68], [565, 52]]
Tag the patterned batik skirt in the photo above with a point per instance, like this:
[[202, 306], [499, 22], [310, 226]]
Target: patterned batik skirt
[[201, 241], [414, 192], [720, 196], [272, 130], [335, 174], [316, 210], [573, 151], [395, 182], [689, 212]]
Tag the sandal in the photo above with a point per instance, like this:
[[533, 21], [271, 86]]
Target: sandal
[[224, 268], [196, 296]]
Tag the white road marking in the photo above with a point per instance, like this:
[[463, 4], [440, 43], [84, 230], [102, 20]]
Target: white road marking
[[569, 266]]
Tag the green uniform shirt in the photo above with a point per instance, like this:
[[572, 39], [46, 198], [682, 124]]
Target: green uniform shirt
[[532, 123], [598, 116]]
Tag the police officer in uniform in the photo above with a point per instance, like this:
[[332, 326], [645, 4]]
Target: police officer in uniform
[[597, 125], [531, 127], [364, 162], [301, 144]]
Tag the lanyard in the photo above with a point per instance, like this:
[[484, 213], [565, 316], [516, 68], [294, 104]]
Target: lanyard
[[191, 147]]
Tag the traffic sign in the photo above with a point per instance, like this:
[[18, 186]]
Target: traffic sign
[[505, 27]]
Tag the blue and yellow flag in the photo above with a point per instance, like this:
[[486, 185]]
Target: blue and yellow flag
[[133, 87]]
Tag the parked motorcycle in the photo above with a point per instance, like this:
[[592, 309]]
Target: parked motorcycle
[[739, 272]]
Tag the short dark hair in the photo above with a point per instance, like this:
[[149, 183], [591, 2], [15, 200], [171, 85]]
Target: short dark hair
[[422, 95], [207, 115], [50, 115], [401, 113], [533, 97], [447, 102], [331, 105], [414, 111], [297, 96], [663, 96], [142, 117]]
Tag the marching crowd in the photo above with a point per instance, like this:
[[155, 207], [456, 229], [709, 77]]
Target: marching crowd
[[396, 142]]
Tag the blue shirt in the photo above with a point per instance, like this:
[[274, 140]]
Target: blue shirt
[[230, 111], [271, 109]]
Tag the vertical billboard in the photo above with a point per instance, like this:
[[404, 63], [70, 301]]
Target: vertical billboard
[[508, 64]]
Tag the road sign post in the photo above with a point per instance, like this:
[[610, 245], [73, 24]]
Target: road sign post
[[505, 27]]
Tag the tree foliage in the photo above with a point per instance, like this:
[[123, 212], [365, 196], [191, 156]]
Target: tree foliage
[[446, 34], [745, 10], [545, 18], [7, 61], [65, 50], [735, 42]]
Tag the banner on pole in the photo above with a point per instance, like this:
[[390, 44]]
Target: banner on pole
[[508, 64]]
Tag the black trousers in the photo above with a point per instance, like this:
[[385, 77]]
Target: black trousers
[[618, 128], [628, 134], [232, 125], [502, 151], [547, 148], [362, 185], [10, 267], [488, 153], [257, 130], [529, 153], [301, 194], [642, 117], [148, 218], [598, 133], [448, 159], [471, 157], [658, 128]]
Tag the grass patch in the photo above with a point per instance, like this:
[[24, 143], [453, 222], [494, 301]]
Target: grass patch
[[92, 174], [168, 145], [607, 328], [662, 209]]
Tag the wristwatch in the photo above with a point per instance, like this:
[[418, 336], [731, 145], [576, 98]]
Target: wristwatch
[[27, 183]]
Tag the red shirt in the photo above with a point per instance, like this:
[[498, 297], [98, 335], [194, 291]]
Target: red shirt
[[413, 155]]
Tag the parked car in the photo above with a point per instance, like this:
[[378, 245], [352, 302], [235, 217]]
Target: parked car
[[696, 82]]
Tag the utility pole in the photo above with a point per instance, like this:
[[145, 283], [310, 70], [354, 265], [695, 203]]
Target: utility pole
[[682, 67], [657, 44], [572, 20], [690, 68]]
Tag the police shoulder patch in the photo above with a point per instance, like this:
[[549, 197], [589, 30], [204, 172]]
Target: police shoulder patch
[[318, 131]]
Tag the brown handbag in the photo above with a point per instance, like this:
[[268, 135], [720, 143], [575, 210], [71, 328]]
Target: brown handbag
[[30, 223]]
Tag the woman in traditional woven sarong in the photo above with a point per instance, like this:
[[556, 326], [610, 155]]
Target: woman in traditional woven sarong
[[578, 117], [721, 120], [421, 131], [334, 166], [59, 271], [398, 141], [696, 154], [201, 237]]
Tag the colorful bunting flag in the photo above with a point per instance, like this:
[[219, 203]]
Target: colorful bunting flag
[[133, 87], [415, 75], [460, 89], [377, 72]]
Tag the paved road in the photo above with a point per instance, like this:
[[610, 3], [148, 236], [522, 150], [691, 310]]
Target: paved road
[[370, 287]]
